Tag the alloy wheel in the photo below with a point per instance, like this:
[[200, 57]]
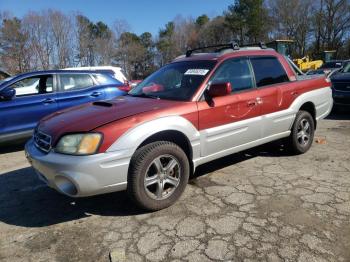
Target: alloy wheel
[[304, 132], [162, 177]]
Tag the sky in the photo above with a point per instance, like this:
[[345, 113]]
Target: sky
[[141, 15]]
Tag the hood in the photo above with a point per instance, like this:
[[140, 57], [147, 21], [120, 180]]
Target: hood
[[341, 77], [87, 117]]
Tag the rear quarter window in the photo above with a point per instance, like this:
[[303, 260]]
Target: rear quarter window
[[268, 71]]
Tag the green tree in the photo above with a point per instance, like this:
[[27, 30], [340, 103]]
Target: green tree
[[147, 64], [166, 44], [248, 20], [202, 20], [95, 42], [214, 32], [135, 54]]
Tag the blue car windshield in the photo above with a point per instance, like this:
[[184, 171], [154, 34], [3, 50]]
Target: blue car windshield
[[106, 79]]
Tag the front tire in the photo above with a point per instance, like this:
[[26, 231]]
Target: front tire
[[302, 133], [158, 175]]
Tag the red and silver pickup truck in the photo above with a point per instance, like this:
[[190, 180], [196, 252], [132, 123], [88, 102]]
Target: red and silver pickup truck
[[198, 108]]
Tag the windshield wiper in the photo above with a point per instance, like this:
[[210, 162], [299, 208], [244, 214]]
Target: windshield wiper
[[144, 95]]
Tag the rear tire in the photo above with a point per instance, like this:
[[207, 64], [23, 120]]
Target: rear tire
[[158, 175], [302, 133]]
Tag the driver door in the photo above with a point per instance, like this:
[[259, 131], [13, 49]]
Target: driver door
[[35, 98], [233, 120]]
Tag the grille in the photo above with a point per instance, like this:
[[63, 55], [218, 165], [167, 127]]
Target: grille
[[342, 86], [42, 141]]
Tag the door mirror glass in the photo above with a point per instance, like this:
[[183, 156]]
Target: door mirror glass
[[220, 89], [7, 93]]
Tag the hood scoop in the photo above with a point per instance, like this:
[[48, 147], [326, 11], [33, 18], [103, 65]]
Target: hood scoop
[[102, 103]]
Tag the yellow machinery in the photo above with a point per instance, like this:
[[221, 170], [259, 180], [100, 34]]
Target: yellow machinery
[[285, 48], [305, 64]]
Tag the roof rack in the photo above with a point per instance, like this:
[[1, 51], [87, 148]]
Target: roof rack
[[233, 45], [262, 45]]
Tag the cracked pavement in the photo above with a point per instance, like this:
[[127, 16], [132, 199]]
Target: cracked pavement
[[258, 205]]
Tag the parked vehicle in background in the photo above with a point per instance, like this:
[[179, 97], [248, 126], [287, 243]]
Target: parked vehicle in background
[[196, 109], [330, 66], [341, 87], [26, 98], [134, 83], [315, 72], [114, 71]]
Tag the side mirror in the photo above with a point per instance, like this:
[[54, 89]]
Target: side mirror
[[220, 89], [7, 93]]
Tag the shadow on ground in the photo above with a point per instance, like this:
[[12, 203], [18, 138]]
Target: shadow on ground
[[343, 114], [12, 147], [273, 149], [25, 201]]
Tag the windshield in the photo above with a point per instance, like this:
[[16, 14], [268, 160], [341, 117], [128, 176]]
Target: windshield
[[346, 68], [176, 81]]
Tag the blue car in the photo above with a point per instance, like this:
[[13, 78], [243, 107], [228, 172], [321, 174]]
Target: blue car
[[26, 98]]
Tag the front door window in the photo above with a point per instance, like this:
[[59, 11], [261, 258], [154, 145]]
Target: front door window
[[34, 85]]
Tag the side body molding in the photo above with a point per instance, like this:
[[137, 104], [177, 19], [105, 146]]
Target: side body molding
[[134, 137]]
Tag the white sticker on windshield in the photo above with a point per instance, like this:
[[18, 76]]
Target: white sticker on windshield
[[197, 72]]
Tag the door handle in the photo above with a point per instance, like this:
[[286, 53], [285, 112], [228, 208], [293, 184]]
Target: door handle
[[96, 94], [252, 103], [48, 101], [259, 101]]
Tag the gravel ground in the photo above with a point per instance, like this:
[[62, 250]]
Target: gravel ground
[[258, 205]]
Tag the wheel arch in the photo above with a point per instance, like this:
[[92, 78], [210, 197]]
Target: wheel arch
[[174, 129], [309, 107], [175, 137]]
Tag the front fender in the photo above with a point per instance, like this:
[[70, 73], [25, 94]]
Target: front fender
[[134, 137]]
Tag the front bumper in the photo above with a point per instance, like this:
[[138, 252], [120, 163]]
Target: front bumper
[[79, 176]]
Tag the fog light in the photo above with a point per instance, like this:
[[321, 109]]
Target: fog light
[[65, 186]]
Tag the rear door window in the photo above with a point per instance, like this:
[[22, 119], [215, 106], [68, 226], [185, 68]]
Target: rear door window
[[71, 82], [268, 71]]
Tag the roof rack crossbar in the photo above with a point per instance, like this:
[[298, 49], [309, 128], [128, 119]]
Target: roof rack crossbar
[[262, 45], [232, 45]]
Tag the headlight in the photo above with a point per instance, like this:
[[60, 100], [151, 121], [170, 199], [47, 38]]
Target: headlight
[[79, 144]]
